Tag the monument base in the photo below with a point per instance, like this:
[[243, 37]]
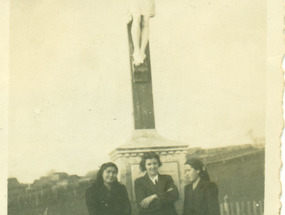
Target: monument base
[[172, 155]]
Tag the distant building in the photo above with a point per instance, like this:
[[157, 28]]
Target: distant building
[[74, 180], [13, 183], [44, 181], [62, 183], [59, 176]]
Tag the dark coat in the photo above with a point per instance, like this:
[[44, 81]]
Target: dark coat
[[203, 200], [164, 205], [101, 201]]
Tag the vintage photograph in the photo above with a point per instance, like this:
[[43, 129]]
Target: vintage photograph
[[144, 107]]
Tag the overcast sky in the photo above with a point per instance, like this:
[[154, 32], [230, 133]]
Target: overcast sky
[[70, 88]]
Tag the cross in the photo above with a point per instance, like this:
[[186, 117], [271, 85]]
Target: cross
[[142, 89]]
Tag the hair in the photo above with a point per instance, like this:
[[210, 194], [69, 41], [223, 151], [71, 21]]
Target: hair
[[149, 155], [99, 177], [198, 165]]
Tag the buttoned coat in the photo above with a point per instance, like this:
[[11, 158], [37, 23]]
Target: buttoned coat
[[203, 200], [101, 201], [165, 190]]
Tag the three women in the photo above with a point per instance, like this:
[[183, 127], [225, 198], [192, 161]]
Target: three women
[[155, 193]]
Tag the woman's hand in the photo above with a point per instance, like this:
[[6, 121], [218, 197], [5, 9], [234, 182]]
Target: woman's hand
[[146, 201], [170, 189]]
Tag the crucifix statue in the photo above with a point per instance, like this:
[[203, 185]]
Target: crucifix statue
[[138, 36], [140, 12]]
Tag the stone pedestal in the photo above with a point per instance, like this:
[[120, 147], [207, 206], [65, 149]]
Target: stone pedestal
[[128, 157]]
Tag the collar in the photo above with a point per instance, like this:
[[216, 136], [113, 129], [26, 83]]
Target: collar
[[194, 185], [155, 178]]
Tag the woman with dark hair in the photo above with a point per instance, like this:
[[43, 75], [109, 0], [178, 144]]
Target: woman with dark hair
[[107, 196], [155, 193], [201, 195]]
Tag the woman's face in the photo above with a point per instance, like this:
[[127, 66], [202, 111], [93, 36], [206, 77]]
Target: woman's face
[[110, 175], [151, 166], [190, 173]]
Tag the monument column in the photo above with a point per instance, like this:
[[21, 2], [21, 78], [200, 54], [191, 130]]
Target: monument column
[[145, 138], [141, 89]]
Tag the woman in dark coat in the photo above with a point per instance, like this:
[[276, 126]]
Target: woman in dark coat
[[201, 195], [107, 196], [155, 193]]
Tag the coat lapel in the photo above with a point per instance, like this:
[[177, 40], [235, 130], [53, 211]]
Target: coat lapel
[[161, 182], [148, 183]]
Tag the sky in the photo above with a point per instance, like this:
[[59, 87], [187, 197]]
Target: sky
[[70, 99]]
